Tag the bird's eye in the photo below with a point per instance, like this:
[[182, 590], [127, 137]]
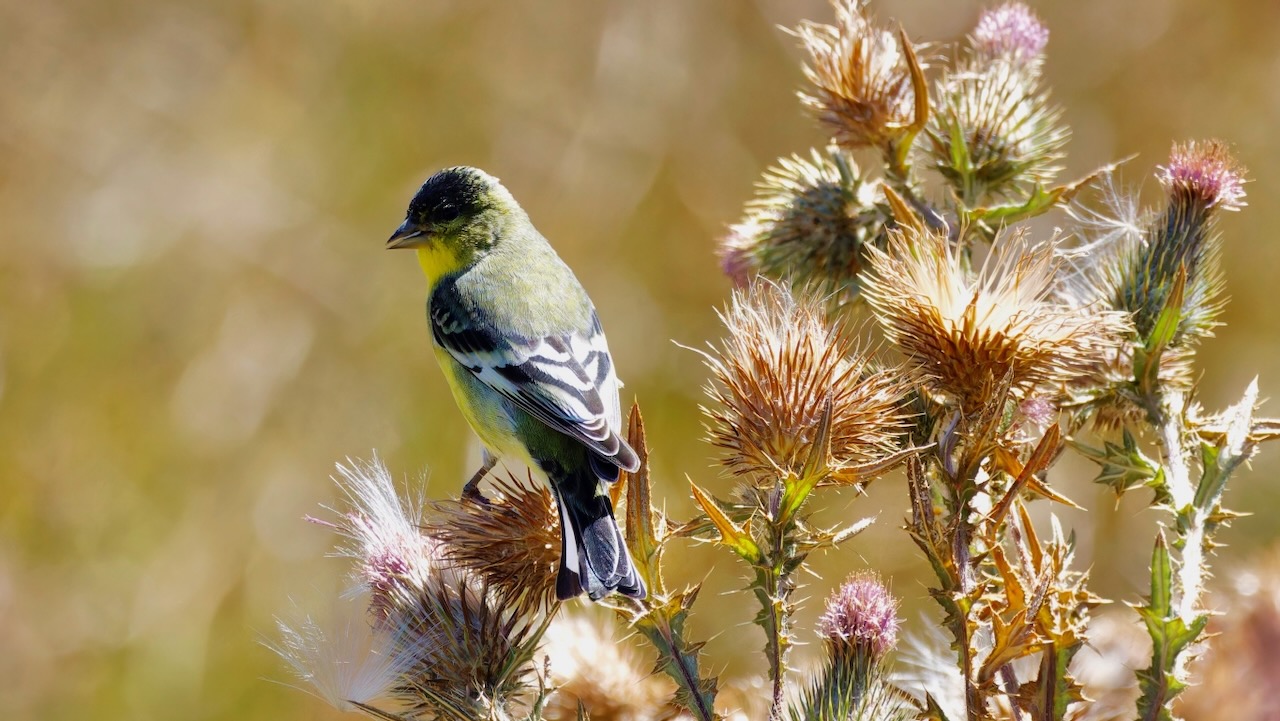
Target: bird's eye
[[446, 214]]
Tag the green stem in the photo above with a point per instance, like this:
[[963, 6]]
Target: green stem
[[771, 579], [1191, 519]]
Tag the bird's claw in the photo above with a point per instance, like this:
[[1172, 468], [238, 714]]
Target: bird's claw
[[471, 492]]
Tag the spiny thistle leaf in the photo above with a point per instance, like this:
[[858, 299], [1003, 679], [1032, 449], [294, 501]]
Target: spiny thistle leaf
[[1046, 451], [1170, 636], [1125, 467], [737, 538], [662, 623]]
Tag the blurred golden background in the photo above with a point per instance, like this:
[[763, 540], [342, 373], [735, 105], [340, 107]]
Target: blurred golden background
[[197, 319]]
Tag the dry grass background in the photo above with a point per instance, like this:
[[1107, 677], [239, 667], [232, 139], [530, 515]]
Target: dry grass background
[[197, 318]]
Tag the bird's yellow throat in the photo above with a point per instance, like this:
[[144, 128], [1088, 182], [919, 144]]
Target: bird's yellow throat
[[436, 260]]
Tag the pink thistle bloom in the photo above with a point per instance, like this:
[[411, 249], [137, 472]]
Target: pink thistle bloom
[[1204, 173], [862, 614], [1010, 29]]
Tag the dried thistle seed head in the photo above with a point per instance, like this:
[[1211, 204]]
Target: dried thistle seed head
[[513, 543], [862, 616], [995, 104], [1010, 30], [468, 651], [965, 333], [861, 80], [808, 224], [773, 374], [591, 665], [451, 642], [1201, 179]]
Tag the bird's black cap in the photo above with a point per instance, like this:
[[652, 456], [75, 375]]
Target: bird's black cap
[[450, 194]]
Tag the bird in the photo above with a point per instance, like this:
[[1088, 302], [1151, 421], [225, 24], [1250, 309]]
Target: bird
[[524, 353]]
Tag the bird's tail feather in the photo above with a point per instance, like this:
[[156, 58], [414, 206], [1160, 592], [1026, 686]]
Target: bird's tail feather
[[593, 556]]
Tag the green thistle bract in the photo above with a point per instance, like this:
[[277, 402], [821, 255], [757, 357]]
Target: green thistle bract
[[809, 223]]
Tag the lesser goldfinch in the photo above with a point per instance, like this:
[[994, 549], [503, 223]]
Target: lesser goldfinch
[[522, 348]]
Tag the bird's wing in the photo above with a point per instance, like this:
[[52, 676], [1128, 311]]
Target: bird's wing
[[564, 380]]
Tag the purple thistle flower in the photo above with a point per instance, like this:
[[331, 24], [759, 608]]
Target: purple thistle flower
[[735, 260], [1038, 411], [1204, 173], [861, 614], [1010, 29]]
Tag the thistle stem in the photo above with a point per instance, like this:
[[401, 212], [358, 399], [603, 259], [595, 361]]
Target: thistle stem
[[973, 703], [1191, 570], [1191, 526], [771, 577], [775, 647]]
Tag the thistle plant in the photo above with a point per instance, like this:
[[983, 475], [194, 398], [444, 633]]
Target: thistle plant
[[892, 321], [443, 640]]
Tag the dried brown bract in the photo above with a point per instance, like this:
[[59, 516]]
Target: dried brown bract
[[513, 542], [778, 366], [861, 79], [964, 332]]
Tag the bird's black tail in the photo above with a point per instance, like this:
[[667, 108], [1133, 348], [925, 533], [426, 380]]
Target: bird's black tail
[[593, 556]]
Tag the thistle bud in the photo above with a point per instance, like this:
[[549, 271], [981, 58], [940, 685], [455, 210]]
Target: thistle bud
[[1200, 179], [1203, 176], [859, 626], [993, 103], [809, 223]]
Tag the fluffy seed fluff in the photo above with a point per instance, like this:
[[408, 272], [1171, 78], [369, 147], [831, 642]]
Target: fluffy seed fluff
[[779, 364], [995, 106], [964, 333], [347, 662], [513, 542], [808, 224], [393, 559], [860, 77]]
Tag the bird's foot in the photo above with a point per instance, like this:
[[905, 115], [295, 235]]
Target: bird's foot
[[471, 492]]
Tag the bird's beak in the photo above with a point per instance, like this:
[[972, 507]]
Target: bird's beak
[[406, 236]]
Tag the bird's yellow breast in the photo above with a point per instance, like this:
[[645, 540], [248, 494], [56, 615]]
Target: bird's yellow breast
[[486, 411]]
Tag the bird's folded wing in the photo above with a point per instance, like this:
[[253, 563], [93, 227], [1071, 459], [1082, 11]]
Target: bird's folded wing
[[566, 381]]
